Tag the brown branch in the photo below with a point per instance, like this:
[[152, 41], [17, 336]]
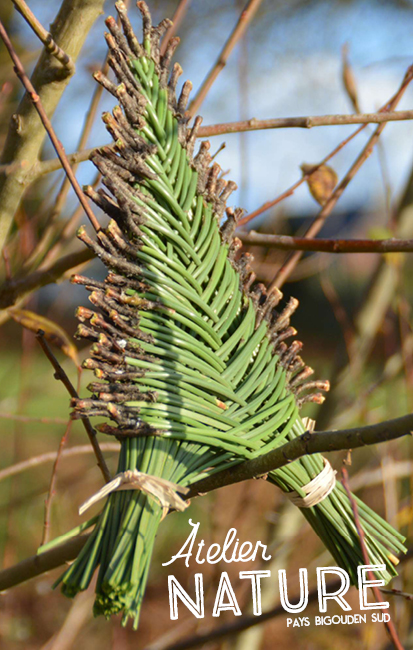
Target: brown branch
[[302, 122], [25, 138], [54, 231], [291, 261], [391, 630], [287, 243], [44, 36], [47, 166], [65, 235], [303, 445], [397, 592], [52, 165], [38, 564], [15, 289], [340, 313], [176, 22], [48, 126], [50, 456], [31, 418], [243, 21], [60, 375], [52, 484]]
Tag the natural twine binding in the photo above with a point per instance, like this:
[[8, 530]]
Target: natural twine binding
[[317, 489], [163, 491]]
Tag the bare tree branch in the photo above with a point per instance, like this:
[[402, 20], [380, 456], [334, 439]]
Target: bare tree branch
[[31, 418], [15, 289], [397, 592], [47, 166], [52, 484], [302, 122], [44, 36], [50, 457], [287, 243], [290, 191], [50, 78], [53, 230], [244, 20], [305, 445], [60, 375], [176, 22], [43, 167], [48, 126], [38, 564]]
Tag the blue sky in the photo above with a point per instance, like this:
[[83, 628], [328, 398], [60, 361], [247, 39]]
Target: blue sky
[[294, 59]]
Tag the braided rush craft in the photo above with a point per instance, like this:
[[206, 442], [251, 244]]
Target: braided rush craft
[[193, 370]]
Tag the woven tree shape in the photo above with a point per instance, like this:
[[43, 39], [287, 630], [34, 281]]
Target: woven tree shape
[[190, 353]]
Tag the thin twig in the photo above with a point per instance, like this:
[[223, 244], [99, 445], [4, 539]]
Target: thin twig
[[51, 491], [50, 457], [287, 243], [388, 625], [48, 126], [38, 564], [52, 165], [31, 418], [60, 375], [306, 122], [15, 289], [43, 167], [340, 314], [243, 21], [176, 22], [291, 261], [24, 137], [53, 478], [377, 298], [397, 592], [65, 235], [44, 36], [52, 230]]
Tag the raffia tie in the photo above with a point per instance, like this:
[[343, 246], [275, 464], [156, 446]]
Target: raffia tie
[[317, 489], [164, 492]]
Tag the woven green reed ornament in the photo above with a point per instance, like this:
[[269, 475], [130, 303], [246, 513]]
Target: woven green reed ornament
[[190, 353]]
